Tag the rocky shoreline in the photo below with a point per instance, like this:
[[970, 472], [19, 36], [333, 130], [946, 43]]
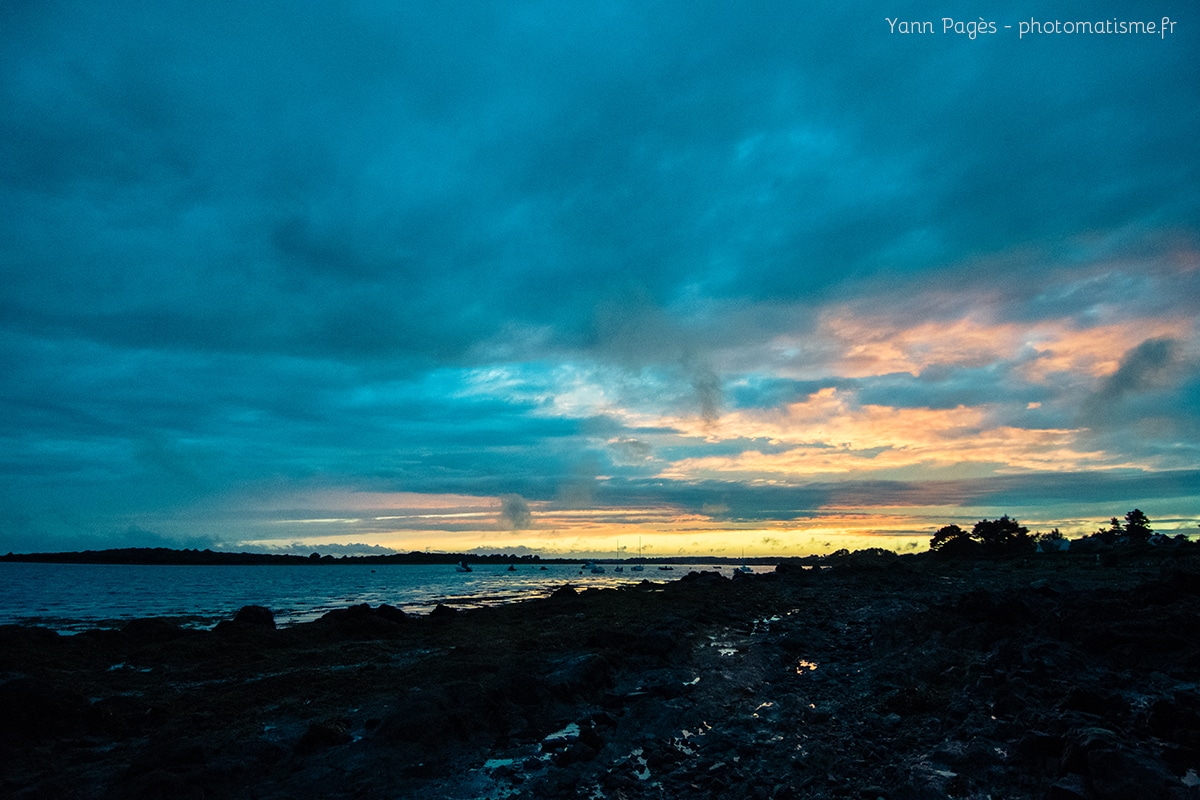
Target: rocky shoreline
[[1061, 676]]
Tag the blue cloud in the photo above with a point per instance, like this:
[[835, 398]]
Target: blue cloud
[[237, 247]]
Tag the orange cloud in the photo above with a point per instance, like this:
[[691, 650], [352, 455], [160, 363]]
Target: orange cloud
[[827, 434]]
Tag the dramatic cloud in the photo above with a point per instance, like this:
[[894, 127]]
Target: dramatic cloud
[[549, 275]]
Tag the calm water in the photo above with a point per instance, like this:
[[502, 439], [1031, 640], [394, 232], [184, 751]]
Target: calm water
[[74, 597]]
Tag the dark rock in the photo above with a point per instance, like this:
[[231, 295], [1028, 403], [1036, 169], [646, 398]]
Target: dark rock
[[162, 784], [1049, 589], [433, 717], [901, 705], [36, 709], [249, 624], [443, 612], [1097, 702], [1081, 744], [794, 643], [391, 613], [1037, 745], [121, 715], [564, 591], [984, 606], [1176, 719], [152, 630], [703, 577], [255, 615], [575, 753], [321, 735], [1116, 774], [579, 674], [15, 637], [647, 643], [1069, 787], [362, 620]]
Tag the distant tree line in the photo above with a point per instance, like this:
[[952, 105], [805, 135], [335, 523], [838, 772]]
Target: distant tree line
[[1005, 536], [169, 556]]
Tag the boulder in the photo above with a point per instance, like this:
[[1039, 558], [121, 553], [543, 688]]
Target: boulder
[[442, 612], [255, 615], [578, 674], [362, 620], [321, 735]]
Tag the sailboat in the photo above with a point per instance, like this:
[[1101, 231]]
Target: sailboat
[[619, 567], [743, 567], [638, 567]]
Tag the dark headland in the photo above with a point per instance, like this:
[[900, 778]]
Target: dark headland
[[1068, 676]]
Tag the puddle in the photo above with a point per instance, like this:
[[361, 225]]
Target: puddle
[[642, 771], [803, 666], [561, 738]]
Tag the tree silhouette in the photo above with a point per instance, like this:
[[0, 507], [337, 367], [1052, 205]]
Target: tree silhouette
[[951, 540], [1137, 526], [1002, 535]]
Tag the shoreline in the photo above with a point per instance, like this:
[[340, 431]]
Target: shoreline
[[164, 556], [71, 598], [883, 676]]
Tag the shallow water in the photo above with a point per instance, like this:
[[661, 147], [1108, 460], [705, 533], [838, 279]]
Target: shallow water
[[74, 597]]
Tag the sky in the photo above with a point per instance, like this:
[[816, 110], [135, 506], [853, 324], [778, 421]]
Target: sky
[[699, 278]]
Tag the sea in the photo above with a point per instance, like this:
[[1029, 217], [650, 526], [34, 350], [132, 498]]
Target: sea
[[70, 598]]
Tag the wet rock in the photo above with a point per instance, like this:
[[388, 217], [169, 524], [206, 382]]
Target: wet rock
[[985, 606], [16, 637], [121, 715], [902, 704], [1176, 719], [433, 717], [36, 709], [1069, 787], [152, 630], [1116, 774], [703, 577], [362, 620], [391, 613], [1082, 743], [1096, 702], [255, 615], [1036, 745], [443, 613], [248, 624], [162, 784], [581, 673], [321, 735]]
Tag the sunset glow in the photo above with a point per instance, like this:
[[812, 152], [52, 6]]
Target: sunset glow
[[563, 287]]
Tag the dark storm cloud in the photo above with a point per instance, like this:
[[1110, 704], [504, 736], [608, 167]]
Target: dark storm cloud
[[244, 242], [1141, 368], [308, 185]]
